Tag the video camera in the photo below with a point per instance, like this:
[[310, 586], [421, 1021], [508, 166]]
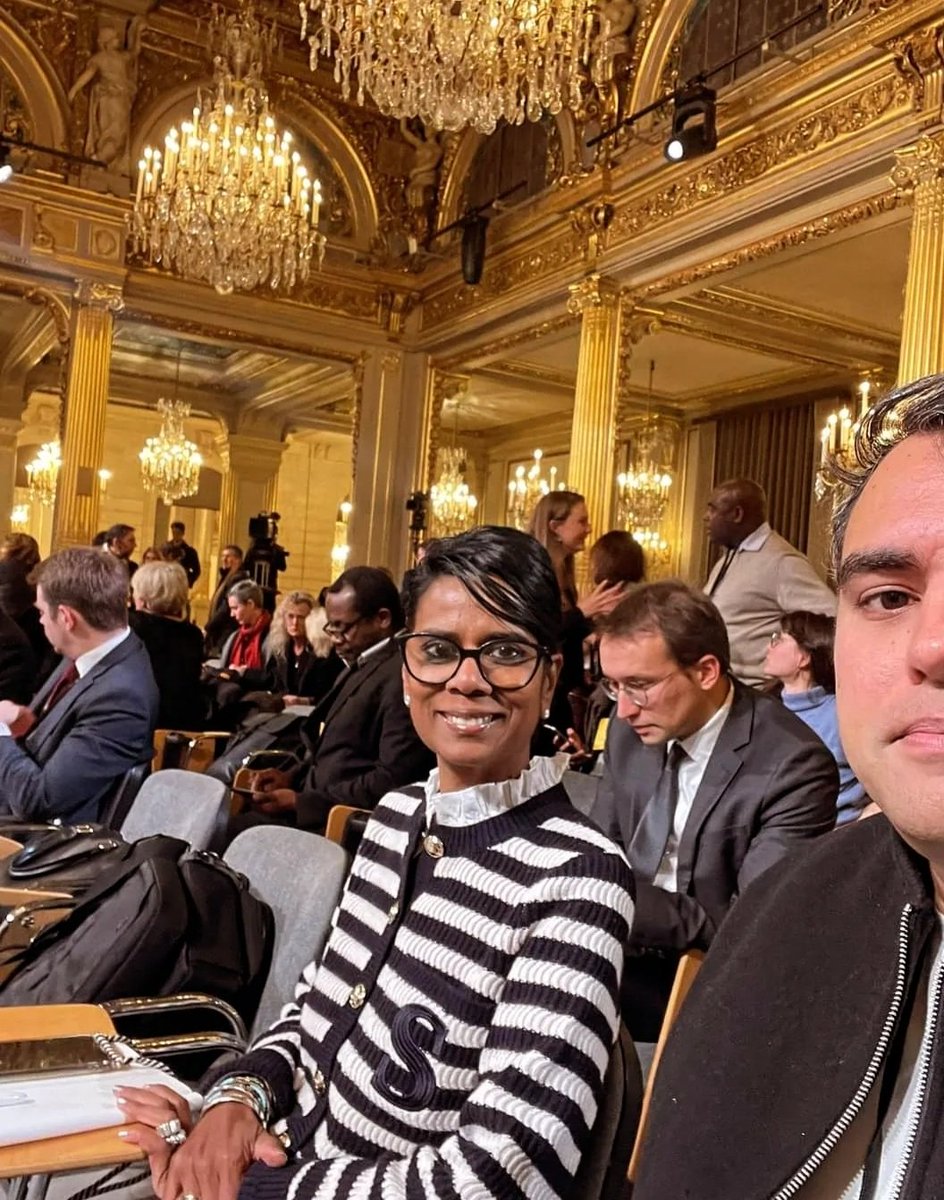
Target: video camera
[[265, 558]]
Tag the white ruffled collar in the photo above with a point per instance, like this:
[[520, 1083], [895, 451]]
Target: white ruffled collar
[[478, 803]]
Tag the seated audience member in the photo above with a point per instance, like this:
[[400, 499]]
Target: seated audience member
[[706, 783], [800, 656], [18, 601], [616, 557], [806, 1061], [220, 623], [17, 662], [759, 577], [175, 646], [242, 655], [360, 737], [479, 942], [300, 659], [152, 554], [120, 542], [94, 719]]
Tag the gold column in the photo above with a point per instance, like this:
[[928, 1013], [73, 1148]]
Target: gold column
[[250, 481], [920, 171], [9, 429], [592, 441], [86, 401]]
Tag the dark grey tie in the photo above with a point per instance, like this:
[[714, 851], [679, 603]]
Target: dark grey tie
[[652, 832], [725, 567]]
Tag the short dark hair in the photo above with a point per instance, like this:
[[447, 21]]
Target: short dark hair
[[688, 621], [234, 549], [171, 552], [178, 525], [116, 532], [814, 633], [93, 583], [373, 589], [616, 557], [507, 572], [917, 407]]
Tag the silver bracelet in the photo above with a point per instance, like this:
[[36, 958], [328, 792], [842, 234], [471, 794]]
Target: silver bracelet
[[249, 1090]]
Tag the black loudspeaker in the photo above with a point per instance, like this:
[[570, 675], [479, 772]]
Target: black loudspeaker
[[473, 248]]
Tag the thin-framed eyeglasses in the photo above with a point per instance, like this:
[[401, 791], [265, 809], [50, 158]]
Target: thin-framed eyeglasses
[[506, 663], [637, 694], [340, 629], [776, 637]]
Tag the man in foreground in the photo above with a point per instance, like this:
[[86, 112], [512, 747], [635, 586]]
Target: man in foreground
[[65, 753], [706, 783], [813, 1021], [759, 578]]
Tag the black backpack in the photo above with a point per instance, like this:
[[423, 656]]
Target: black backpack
[[158, 918]]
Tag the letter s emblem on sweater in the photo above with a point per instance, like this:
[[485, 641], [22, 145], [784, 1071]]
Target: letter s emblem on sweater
[[414, 1032]]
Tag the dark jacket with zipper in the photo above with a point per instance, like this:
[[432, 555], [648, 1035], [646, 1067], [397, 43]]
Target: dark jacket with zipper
[[805, 994]]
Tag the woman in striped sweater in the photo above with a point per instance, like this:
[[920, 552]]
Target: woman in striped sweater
[[452, 1040]]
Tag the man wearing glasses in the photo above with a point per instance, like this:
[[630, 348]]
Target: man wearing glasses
[[361, 741], [706, 783]]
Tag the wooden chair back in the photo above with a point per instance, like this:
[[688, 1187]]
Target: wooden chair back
[[337, 821], [688, 968]]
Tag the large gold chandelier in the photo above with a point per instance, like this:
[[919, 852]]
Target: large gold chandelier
[[837, 440], [170, 464], [451, 500], [456, 63], [42, 473], [229, 201]]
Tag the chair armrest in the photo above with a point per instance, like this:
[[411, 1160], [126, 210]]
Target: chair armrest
[[186, 1043], [139, 1006]]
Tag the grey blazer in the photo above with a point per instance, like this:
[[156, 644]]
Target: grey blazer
[[73, 758], [769, 786]]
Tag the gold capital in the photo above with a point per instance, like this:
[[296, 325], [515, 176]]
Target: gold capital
[[97, 294], [920, 163], [594, 292]]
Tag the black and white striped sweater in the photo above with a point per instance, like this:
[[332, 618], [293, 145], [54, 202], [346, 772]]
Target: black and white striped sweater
[[452, 1041]]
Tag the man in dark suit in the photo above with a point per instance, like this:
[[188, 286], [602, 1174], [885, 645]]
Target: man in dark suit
[[361, 740], [190, 559], [706, 783], [65, 753]]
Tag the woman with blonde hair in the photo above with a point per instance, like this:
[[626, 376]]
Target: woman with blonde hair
[[300, 658], [175, 647], [561, 523]]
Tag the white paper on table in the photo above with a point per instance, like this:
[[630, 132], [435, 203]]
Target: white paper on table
[[34, 1107]]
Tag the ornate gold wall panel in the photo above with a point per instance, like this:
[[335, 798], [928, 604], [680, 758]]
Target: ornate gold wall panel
[[919, 171]]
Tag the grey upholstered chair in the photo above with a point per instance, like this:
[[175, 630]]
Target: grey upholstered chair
[[181, 804]]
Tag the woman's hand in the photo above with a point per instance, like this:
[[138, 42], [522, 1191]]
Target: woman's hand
[[217, 1153], [602, 600]]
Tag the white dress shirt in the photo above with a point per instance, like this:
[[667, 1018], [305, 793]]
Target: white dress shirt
[[699, 747]]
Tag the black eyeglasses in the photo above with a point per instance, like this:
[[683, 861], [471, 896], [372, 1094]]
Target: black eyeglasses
[[340, 629], [505, 663]]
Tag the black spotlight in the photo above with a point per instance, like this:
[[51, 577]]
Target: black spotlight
[[474, 229], [694, 131]]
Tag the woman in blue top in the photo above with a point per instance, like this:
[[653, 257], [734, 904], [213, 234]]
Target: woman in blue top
[[800, 656]]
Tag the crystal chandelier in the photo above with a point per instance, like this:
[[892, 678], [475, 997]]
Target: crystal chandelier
[[453, 504], [229, 201], [456, 63], [340, 551], [170, 463], [643, 488], [43, 473], [19, 517], [527, 488], [837, 440]]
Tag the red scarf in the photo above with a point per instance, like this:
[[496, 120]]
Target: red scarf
[[247, 645]]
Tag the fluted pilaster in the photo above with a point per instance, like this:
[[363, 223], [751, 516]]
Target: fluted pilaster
[[920, 171], [86, 402], [592, 459]]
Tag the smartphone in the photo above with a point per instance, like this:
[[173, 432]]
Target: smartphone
[[44, 1056], [558, 738]]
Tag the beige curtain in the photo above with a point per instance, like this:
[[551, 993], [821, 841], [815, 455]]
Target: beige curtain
[[773, 446]]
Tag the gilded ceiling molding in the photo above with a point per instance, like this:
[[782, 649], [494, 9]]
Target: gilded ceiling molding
[[799, 235], [226, 333], [723, 175], [493, 348], [661, 25], [792, 317], [29, 34]]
